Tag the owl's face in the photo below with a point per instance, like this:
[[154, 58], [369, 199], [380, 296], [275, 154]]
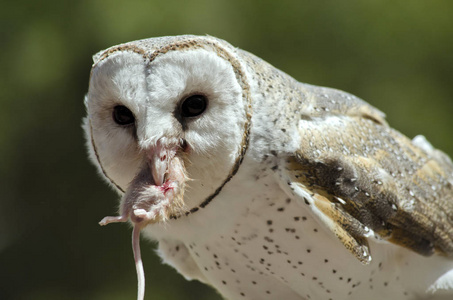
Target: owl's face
[[181, 112]]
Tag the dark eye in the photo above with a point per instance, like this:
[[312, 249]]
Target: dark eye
[[193, 106], [122, 115]]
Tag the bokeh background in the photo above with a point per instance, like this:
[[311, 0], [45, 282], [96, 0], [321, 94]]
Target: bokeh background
[[396, 54]]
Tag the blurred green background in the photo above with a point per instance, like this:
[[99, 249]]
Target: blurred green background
[[397, 55]]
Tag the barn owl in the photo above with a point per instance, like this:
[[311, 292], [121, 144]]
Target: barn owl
[[264, 187]]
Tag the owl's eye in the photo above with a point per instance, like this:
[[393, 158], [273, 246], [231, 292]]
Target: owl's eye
[[194, 106], [122, 115]]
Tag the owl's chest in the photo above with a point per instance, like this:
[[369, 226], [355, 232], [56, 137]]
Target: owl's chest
[[253, 241], [260, 244]]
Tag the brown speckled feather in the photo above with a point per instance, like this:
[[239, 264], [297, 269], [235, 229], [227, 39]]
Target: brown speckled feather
[[375, 177]]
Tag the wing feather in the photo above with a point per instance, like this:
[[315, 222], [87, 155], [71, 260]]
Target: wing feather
[[402, 191]]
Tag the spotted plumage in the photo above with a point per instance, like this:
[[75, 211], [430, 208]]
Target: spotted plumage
[[264, 187]]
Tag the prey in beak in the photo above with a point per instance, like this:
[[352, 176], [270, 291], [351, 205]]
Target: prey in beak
[[155, 193]]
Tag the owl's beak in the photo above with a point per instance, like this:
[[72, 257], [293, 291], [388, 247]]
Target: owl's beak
[[160, 158], [166, 162], [159, 187]]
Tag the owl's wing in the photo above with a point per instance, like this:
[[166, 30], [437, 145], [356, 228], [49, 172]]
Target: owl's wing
[[361, 178]]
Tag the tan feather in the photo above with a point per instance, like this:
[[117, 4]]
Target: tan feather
[[387, 183]]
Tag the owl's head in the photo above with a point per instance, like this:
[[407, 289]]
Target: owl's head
[[160, 111]]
